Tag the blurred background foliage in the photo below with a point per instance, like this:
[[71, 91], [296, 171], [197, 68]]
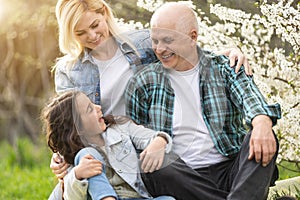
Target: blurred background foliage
[[28, 50]]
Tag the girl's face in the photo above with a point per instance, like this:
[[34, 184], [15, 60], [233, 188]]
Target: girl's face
[[91, 30], [90, 115]]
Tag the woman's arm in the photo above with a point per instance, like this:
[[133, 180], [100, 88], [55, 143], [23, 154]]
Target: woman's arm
[[58, 166]]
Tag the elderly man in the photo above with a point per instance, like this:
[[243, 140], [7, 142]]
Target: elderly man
[[198, 99]]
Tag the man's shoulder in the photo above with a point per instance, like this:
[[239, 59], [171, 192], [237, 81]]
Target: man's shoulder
[[152, 69], [215, 58], [152, 73], [217, 62]]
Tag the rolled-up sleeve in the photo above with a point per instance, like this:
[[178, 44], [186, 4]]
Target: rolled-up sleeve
[[245, 93]]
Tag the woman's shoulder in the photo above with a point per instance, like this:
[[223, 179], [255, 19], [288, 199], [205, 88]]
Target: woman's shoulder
[[65, 63], [139, 38], [138, 34]]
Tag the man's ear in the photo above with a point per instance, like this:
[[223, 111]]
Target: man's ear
[[194, 34]]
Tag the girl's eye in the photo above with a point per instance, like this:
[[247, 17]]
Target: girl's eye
[[90, 108]]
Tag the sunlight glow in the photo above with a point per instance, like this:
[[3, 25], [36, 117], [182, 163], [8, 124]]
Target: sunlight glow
[[4, 10]]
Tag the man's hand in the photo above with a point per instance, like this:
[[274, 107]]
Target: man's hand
[[59, 166], [237, 58], [152, 157], [87, 167], [262, 140]]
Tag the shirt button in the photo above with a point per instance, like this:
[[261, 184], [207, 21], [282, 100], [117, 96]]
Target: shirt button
[[83, 184], [97, 94], [120, 171]]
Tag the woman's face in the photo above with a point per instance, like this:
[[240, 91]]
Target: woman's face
[[91, 30], [90, 115]]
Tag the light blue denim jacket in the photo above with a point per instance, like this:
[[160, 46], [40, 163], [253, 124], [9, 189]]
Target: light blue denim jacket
[[84, 75], [120, 143]]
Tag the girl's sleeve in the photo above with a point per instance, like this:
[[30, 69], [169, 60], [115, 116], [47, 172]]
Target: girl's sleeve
[[73, 188], [97, 186], [141, 136]]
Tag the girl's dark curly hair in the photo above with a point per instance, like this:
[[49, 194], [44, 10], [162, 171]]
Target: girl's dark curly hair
[[61, 121], [60, 117]]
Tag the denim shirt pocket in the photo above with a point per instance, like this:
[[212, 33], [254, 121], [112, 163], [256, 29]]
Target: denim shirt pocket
[[90, 91], [125, 153]]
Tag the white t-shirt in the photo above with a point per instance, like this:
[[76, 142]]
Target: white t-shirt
[[192, 140], [114, 76]]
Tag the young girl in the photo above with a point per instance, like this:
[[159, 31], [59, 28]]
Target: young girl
[[77, 129]]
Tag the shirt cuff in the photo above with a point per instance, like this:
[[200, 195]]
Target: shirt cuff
[[74, 188], [168, 138]]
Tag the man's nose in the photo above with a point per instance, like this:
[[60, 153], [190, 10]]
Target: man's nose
[[160, 47]]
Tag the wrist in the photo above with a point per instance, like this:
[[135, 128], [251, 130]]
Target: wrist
[[77, 173], [262, 119], [164, 137]]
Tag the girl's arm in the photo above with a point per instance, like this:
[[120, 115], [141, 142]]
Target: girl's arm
[[153, 143], [152, 157]]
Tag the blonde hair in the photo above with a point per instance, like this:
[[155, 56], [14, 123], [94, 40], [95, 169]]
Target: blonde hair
[[69, 12]]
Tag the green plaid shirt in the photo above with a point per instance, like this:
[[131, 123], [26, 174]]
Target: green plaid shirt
[[228, 100]]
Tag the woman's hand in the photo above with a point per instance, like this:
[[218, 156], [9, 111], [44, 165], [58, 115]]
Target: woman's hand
[[237, 59], [58, 166], [87, 167], [152, 157]]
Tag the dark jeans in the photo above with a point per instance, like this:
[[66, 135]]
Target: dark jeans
[[236, 179]]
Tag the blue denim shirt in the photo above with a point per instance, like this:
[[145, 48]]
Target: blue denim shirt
[[84, 74]]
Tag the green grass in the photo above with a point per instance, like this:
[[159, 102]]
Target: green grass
[[25, 172], [288, 170]]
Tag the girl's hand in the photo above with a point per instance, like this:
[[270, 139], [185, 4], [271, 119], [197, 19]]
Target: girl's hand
[[152, 157]]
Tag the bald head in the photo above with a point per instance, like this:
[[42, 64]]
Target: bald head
[[174, 31], [175, 15]]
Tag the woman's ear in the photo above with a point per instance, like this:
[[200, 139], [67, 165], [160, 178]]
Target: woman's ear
[[104, 12]]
